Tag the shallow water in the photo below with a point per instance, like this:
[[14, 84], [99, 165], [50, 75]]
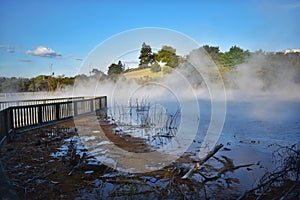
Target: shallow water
[[251, 128]]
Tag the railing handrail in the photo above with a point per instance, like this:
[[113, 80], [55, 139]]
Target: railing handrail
[[53, 103], [9, 103], [51, 99]]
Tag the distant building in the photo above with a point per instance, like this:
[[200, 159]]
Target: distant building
[[290, 51]]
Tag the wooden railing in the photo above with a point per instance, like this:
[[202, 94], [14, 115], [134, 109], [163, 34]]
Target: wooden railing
[[7, 104], [20, 117], [18, 95]]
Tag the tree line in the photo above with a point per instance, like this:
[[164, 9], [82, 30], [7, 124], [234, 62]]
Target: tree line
[[148, 59], [36, 84], [166, 56]]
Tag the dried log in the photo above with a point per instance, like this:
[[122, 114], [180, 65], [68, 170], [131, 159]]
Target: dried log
[[198, 164]]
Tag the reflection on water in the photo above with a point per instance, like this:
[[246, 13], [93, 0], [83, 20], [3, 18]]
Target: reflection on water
[[153, 122], [250, 129]]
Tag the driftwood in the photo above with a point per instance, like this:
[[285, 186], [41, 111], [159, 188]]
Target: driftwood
[[201, 162]]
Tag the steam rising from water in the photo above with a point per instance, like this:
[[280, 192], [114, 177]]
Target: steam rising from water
[[184, 85], [259, 81], [265, 76], [256, 81]]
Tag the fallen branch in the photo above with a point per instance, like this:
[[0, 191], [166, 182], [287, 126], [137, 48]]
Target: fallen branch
[[198, 164]]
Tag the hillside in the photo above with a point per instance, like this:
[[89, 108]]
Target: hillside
[[146, 74]]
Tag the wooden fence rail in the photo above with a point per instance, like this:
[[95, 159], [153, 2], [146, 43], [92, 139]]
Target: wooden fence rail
[[7, 104], [20, 117], [18, 95]]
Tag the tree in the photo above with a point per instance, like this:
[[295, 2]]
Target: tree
[[41, 83], [24, 84], [146, 57], [95, 71], [167, 55], [98, 74], [115, 68], [213, 52], [233, 57]]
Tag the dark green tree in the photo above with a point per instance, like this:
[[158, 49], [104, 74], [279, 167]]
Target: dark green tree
[[115, 68], [213, 52], [146, 56], [168, 55], [233, 57]]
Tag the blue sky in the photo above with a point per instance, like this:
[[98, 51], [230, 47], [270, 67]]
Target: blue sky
[[35, 35]]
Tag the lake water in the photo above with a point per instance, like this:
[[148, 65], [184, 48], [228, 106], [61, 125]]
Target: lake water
[[250, 131]]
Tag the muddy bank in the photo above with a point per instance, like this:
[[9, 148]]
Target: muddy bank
[[53, 163], [137, 145]]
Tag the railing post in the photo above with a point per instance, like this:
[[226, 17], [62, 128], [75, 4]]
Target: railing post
[[75, 108], [92, 105], [40, 118], [100, 102], [6, 123], [57, 111], [10, 119], [103, 102]]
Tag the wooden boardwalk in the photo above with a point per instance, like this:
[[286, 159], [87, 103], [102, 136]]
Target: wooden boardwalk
[[44, 112]]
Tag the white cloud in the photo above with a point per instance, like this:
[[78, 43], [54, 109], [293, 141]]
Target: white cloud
[[43, 51]]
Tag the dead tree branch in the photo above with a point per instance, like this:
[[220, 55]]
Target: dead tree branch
[[206, 158]]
